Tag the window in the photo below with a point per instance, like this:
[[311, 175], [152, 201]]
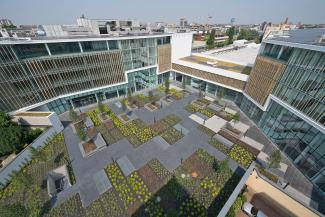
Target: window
[[164, 40], [286, 53], [64, 48], [113, 45], [24, 51], [89, 46]]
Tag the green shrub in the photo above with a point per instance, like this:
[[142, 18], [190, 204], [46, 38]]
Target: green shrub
[[12, 210], [235, 207]]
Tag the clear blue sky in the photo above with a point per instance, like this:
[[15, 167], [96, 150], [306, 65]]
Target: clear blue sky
[[245, 11]]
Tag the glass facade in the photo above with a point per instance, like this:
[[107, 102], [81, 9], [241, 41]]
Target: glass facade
[[139, 53], [113, 45], [64, 48], [163, 40], [24, 51], [71, 67], [207, 87], [88, 46], [63, 104], [301, 142], [303, 83], [137, 80], [142, 79], [277, 51], [249, 108]]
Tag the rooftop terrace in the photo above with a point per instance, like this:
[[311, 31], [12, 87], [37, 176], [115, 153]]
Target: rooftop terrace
[[218, 64], [241, 55]]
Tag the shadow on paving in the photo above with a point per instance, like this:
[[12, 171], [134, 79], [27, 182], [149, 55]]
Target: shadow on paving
[[175, 200]]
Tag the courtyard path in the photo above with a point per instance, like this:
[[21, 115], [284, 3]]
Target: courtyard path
[[170, 157]]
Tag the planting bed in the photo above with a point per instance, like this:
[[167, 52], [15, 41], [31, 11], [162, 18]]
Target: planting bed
[[241, 155], [94, 117], [176, 94], [224, 115], [159, 169], [125, 117], [139, 132], [153, 182], [136, 131], [110, 136], [206, 130], [120, 184], [205, 111], [15, 192], [221, 147], [204, 101], [172, 135], [152, 106], [106, 205], [163, 124]]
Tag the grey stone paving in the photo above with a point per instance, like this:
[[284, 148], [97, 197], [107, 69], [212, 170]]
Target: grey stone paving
[[215, 107], [202, 115], [161, 142], [182, 129], [88, 123], [102, 182], [125, 165]]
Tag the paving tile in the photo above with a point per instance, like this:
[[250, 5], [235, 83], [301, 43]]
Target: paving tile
[[161, 142], [125, 165], [102, 182], [182, 129], [223, 140]]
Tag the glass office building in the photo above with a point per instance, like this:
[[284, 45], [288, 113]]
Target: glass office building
[[293, 117], [76, 71], [300, 141]]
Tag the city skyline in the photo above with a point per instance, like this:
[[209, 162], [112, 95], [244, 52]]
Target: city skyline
[[253, 11]]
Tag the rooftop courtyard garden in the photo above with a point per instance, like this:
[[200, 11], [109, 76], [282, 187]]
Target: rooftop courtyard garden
[[26, 194], [151, 162]]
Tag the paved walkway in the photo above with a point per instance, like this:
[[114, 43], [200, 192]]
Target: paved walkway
[[86, 168]]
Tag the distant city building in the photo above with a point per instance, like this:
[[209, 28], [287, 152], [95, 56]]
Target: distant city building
[[271, 29], [23, 31], [66, 30], [183, 23], [107, 26], [87, 27], [232, 21], [6, 22]]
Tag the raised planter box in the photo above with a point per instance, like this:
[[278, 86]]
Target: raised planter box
[[152, 107], [234, 138]]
